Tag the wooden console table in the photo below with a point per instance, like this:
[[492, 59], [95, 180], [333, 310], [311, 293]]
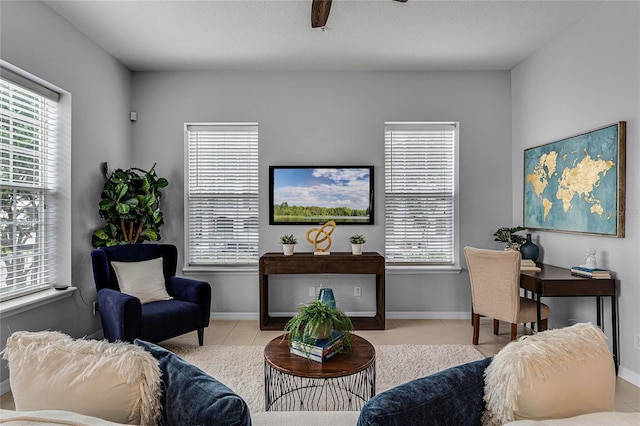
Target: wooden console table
[[335, 263], [553, 281]]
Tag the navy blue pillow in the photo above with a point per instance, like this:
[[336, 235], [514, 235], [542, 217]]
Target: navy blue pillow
[[192, 397], [449, 397]]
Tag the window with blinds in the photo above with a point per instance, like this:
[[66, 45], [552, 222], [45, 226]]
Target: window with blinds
[[420, 193], [28, 155], [221, 194]]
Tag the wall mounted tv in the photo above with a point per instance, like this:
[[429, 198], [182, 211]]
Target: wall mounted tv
[[301, 195]]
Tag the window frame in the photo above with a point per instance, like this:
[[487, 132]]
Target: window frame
[[251, 198], [422, 265], [58, 198]]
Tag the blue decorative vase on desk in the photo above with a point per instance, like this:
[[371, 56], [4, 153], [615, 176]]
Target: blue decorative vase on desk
[[326, 295], [529, 250]]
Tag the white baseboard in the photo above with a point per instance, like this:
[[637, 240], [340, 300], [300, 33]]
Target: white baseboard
[[630, 376], [235, 316], [429, 315], [243, 316]]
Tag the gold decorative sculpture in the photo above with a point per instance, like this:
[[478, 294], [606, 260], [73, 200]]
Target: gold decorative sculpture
[[322, 238]]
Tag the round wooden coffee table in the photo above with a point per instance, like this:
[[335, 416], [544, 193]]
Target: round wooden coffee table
[[343, 383]]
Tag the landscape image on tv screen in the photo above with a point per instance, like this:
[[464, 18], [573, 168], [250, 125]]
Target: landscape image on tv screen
[[302, 195]]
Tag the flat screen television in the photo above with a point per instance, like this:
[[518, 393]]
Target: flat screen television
[[302, 195]]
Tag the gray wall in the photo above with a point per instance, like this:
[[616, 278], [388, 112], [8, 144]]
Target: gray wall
[[335, 118], [37, 40], [587, 78], [338, 117]]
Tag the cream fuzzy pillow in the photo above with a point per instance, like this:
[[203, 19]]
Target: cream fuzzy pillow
[[119, 382], [554, 374], [144, 279]]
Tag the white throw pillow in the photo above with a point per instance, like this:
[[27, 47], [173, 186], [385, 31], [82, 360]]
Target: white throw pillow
[[48, 370], [144, 279], [554, 374]]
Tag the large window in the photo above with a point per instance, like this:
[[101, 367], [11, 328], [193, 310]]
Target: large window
[[221, 194], [29, 149], [420, 193]]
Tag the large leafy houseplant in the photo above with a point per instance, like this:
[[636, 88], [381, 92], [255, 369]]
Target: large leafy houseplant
[[130, 204], [316, 320]]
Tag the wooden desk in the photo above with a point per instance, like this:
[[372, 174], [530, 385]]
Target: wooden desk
[[553, 281], [335, 263]]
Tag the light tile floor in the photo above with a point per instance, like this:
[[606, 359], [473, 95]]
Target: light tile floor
[[419, 332]]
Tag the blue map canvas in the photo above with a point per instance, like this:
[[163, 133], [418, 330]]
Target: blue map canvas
[[577, 184]]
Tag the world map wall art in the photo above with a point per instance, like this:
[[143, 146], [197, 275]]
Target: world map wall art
[[577, 184]]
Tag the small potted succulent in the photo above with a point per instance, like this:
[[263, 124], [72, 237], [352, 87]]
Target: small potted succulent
[[510, 237], [317, 320], [288, 242], [357, 241]]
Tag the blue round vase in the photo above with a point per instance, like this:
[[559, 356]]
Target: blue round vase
[[326, 295], [529, 250]]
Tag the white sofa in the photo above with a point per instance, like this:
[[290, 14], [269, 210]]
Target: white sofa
[[297, 418], [542, 394]]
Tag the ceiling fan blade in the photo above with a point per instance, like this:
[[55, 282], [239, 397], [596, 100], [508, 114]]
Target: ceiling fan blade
[[320, 13]]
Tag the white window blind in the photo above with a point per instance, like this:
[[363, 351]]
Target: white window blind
[[28, 155], [222, 194], [420, 193]]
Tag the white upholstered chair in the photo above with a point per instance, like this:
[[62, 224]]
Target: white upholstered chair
[[495, 290]]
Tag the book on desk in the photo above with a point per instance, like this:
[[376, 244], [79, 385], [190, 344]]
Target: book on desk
[[529, 265], [583, 271]]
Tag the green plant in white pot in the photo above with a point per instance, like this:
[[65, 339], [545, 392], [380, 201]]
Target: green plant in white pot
[[288, 242], [357, 241]]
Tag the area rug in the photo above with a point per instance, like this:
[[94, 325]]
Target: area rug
[[241, 368]]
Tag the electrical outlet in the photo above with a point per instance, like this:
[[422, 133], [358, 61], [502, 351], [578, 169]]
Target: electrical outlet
[[636, 340], [312, 292], [357, 291]]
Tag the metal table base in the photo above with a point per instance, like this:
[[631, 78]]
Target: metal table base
[[285, 392]]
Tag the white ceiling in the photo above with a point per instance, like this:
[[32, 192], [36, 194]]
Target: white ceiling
[[165, 35]]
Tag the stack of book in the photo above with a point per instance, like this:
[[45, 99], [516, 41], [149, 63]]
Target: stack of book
[[529, 265], [320, 350], [583, 271]]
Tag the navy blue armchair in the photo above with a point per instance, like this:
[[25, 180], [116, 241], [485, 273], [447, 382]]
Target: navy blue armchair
[[124, 318]]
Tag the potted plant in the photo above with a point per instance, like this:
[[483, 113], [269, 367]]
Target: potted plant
[[317, 320], [130, 204], [510, 237], [357, 241], [288, 242]]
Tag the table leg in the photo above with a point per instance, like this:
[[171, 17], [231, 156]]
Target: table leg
[[529, 294], [264, 300], [614, 330], [380, 301], [267, 395], [538, 309], [599, 312]]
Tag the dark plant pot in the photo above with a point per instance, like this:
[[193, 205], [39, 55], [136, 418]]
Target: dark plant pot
[[529, 250]]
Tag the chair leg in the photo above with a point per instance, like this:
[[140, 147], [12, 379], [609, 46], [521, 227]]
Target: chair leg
[[514, 331], [544, 324], [496, 327], [201, 336], [476, 328]]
